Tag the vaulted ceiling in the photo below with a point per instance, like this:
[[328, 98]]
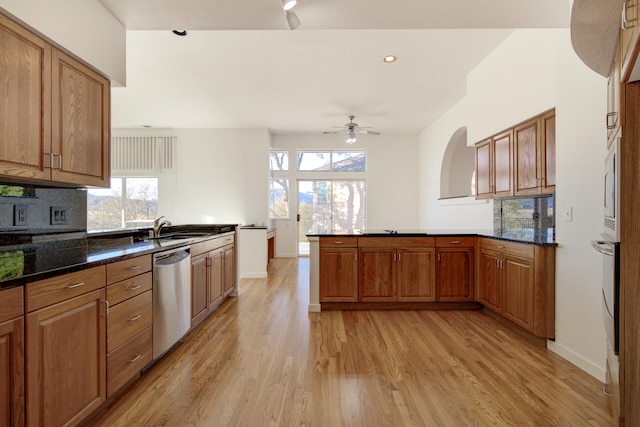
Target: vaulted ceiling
[[240, 66]]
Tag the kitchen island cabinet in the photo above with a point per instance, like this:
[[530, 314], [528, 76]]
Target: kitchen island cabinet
[[339, 269], [455, 270], [12, 357], [66, 347]]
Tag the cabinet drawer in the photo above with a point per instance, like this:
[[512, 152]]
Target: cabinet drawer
[[512, 248], [129, 288], [338, 242], [60, 288], [128, 268], [126, 362], [128, 319], [454, 241], [228, 240], [206, 246], [11, 303], [397, 242]]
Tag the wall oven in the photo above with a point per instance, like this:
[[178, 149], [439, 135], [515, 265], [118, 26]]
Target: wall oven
[[609, 248]]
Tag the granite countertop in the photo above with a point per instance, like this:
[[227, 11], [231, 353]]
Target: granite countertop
[[45, 256], [532, 237]]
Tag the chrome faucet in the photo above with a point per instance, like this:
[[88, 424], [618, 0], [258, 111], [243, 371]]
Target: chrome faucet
[[157, 225]]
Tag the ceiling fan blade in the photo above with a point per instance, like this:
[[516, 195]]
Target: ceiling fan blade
[[330, 132], [370, 132]]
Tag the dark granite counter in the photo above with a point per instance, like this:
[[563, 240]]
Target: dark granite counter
[[529, 236], [42, 256]]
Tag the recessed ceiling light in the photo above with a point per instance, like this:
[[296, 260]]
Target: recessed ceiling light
[[180, 33], [389, 59]]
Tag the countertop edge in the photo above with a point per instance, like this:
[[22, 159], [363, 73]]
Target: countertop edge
[[443, 234]]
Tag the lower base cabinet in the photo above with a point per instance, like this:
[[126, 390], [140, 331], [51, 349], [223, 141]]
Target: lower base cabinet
[[455, 269], [12, 358], [66, 363]]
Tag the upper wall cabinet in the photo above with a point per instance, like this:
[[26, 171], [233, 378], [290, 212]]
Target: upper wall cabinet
[[494, 164], [55, 113], [629, 36], [519, 161]]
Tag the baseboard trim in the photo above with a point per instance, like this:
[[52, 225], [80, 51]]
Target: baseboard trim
[[314, 308]]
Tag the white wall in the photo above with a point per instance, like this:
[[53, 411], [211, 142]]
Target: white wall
[[530, 72], [221, 175], [392, 180], [465, 213], [83, 27]]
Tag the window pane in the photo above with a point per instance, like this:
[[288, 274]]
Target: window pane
[[348, 161], [104, 207], [279, 198], [278, 161], [314, 161], [348, 210], [141, 205]]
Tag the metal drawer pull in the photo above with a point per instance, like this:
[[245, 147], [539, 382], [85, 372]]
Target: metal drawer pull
[[133, 288], [626, 22], [455, 242], [500, 247], [338, 243], [612, 115], [136, 357], [135, 267], [135, 318], [77, 285]]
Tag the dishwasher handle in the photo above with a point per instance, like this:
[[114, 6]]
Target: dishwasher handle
[[171, 258]]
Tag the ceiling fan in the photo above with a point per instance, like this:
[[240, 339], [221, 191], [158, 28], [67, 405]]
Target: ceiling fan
[[351, 129]]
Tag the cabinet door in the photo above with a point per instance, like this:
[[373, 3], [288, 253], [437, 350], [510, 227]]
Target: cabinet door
[[80, 123], [549, 153], [454, 274], [527, 164], [490, 281], [629, 35], [377, 274], [229, 263], [199, 278], [518, 290], [66, 360], [12, 372], [483, 170], [25, 110], [216, 279], [416, 274], [502, 160], [338, 274]]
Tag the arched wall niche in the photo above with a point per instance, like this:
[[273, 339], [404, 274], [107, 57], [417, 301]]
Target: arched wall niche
[[458, 166]]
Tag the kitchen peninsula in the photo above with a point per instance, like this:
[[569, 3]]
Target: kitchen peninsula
[[511, 273]]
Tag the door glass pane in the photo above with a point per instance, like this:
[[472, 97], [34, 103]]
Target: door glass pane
[[348, 206]]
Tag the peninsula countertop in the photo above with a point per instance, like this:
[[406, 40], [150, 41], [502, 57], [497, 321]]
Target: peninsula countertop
[[537, 237]]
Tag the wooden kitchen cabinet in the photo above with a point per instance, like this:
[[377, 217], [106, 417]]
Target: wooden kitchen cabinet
[[25, 105], [396, 269], [455, 269], [494, 166], [519, 161], [213, 275], [129, 320], [56, 114], [66, 360], [629, 36], [12, 359], [535, 153], [517, 281], [338, 269]]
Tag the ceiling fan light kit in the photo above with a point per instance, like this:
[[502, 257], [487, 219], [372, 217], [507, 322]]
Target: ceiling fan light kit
[[351, 129], [292, 20], [288, 4]]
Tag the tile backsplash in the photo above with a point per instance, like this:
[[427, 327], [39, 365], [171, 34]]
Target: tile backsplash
[[38, 202]]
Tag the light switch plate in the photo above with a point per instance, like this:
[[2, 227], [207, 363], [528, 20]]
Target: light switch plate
[[58, 215], [568, 214]]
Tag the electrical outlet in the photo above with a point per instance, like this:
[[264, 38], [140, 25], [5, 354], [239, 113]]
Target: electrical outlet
[[58, 215], [20, 215]]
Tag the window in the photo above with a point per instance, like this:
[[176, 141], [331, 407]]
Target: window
[[278, 161], [129, 203], [279, 198], [332, 161]]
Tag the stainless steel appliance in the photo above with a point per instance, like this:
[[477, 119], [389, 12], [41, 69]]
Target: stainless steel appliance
[[171, 298], [609, 247]]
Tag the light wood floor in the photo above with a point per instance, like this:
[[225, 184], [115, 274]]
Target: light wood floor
[[263, 360]]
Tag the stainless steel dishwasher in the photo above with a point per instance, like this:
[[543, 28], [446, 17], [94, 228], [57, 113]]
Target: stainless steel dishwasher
[[171, 298]]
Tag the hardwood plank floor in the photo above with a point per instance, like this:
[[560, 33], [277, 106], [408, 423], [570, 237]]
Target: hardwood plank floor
[[263, 360]]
